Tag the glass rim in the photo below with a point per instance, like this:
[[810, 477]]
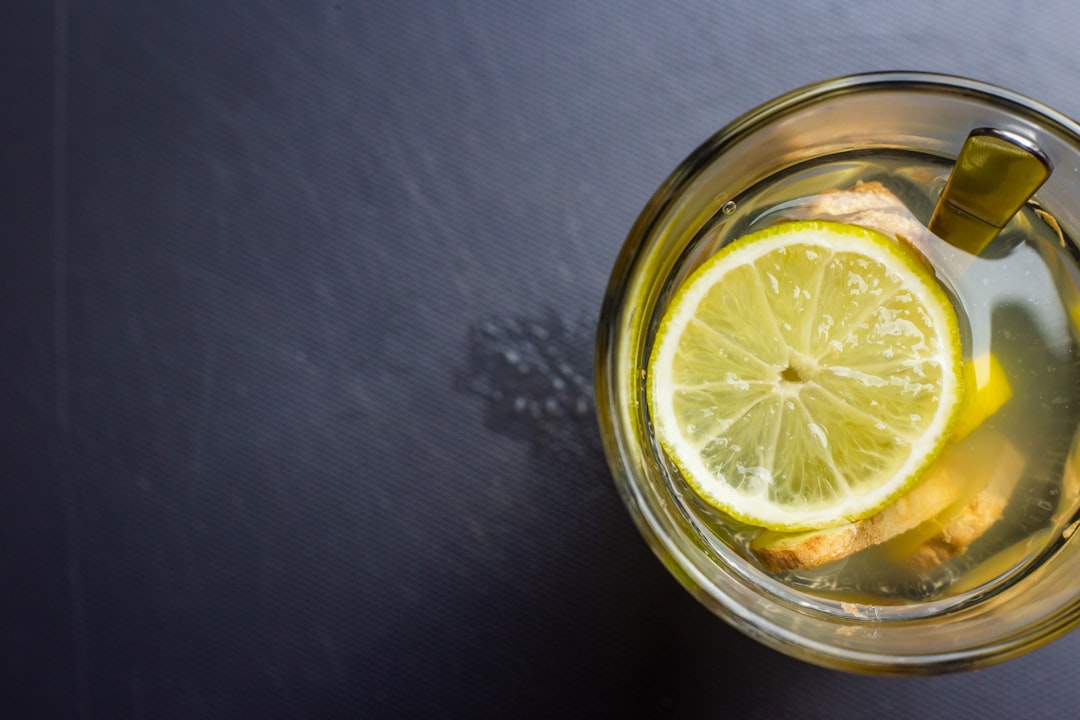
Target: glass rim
[[892, 80]]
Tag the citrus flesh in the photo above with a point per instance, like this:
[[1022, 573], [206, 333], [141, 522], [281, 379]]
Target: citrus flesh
[[987, 388], [806, 375]]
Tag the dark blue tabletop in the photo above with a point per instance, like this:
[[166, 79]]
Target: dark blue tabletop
[[297, 302]]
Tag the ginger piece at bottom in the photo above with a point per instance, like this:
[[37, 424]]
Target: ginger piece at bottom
[[944, 495], [986, 508]]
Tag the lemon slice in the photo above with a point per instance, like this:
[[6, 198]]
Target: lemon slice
[[987, 388], [806, 375]]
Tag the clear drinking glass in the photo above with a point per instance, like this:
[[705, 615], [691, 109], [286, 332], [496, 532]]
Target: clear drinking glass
[[1023, 593]]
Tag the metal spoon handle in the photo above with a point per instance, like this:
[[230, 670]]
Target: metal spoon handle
[[996, 172]]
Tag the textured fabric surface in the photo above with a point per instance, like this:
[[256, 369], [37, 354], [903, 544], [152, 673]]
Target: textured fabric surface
[[297, 303]]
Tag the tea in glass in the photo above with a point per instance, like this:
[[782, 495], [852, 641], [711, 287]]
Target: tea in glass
[[968, 563]]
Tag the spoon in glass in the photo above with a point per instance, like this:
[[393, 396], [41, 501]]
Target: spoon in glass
[[996, 172]]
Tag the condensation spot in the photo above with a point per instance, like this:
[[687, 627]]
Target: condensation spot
[[535, 376]]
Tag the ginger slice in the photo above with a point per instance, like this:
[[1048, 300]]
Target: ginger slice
[[806, 550], [944, 487], [870, 205], [962, 529]]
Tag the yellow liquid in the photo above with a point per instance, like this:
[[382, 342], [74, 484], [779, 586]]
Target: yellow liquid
[[1020, 302]]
